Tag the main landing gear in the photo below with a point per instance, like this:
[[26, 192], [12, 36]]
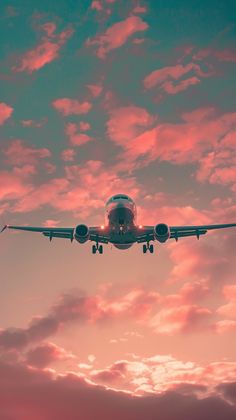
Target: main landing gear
[[98, 248], [147, 247]]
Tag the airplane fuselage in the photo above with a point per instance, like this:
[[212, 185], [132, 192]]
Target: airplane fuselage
[[121, 220]]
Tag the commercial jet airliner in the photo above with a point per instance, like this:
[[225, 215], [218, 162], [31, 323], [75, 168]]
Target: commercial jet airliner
[[121, 229]]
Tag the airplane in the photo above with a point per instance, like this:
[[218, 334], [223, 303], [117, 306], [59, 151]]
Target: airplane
[[120, 229]]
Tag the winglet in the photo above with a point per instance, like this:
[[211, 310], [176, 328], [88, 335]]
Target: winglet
[[4, 228]]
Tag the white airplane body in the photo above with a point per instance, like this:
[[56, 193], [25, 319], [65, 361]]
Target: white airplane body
[[121, 229]]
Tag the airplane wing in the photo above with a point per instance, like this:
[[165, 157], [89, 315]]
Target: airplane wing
[[146, 233], [96, 234]]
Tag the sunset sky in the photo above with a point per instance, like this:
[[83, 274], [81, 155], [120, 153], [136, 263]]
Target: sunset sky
[[97, 98]]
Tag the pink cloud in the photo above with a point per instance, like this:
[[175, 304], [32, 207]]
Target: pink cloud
[[76, 138], [45, 52], [50, 223], [83, 189], [95, 89], [167, 78], [84, 126], [140, 9], [135, 304], [46, 354], [68, 155], [126, 123], [184, 318], [225, 326], [163, 373], [221, 55], [67, 106], [117, 35], [217, 267], [26, 392], [13, 185], [229, 310], [5, 112], [96, 5], [178, 143], [32, 123], [18, 153]]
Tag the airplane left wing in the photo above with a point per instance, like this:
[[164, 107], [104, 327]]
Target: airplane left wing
[[96, 234], [51, 232]]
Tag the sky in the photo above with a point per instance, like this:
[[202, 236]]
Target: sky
[[98, 98]]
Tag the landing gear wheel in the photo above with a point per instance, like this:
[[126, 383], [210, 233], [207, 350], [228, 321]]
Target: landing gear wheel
[[144, 249], [94, 249], [151, 248], [100, 249]]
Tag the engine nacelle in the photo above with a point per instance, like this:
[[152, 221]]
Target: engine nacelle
[[162, 232], [81, 233]]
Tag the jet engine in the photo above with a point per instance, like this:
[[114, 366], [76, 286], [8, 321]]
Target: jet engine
[[161, 232], [81, 233]]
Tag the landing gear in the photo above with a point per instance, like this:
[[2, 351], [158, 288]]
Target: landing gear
[[98, 248], [147, 247]]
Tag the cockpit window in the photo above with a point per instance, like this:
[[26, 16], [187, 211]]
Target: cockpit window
[[120, 196]]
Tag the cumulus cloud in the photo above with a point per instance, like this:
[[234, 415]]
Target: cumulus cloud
[[136, 304], [217, 268], [182, 142], [169, 78], [184, 318], [128, 122], [84, 188], [76, 138], [228, 55], [45, 52], [18, 153], [117, 35], [5, 112], [27, 392], [67, 106], [46, 354]]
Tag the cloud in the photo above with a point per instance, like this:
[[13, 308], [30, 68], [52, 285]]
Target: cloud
[[30, 393], [227, 55], [34, 124], [18, 153], [163, 373], [126, 123], [180, 142], [182, 319], [68, 155], [135, 304], [14, 185], [76, 138], [5, 112], [45, 52], [26, 392], [117, 35], [83, 189], [168, 78], [95, 89], [217, 268], [67, 106], [229, 310], [84, 126], [46, 354], [140, 9]]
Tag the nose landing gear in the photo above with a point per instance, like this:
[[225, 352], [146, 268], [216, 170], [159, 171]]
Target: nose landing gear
[[147, 247], [98, 248]]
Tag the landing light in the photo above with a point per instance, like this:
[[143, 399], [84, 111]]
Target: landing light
[[140, 226], [102, 227]]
